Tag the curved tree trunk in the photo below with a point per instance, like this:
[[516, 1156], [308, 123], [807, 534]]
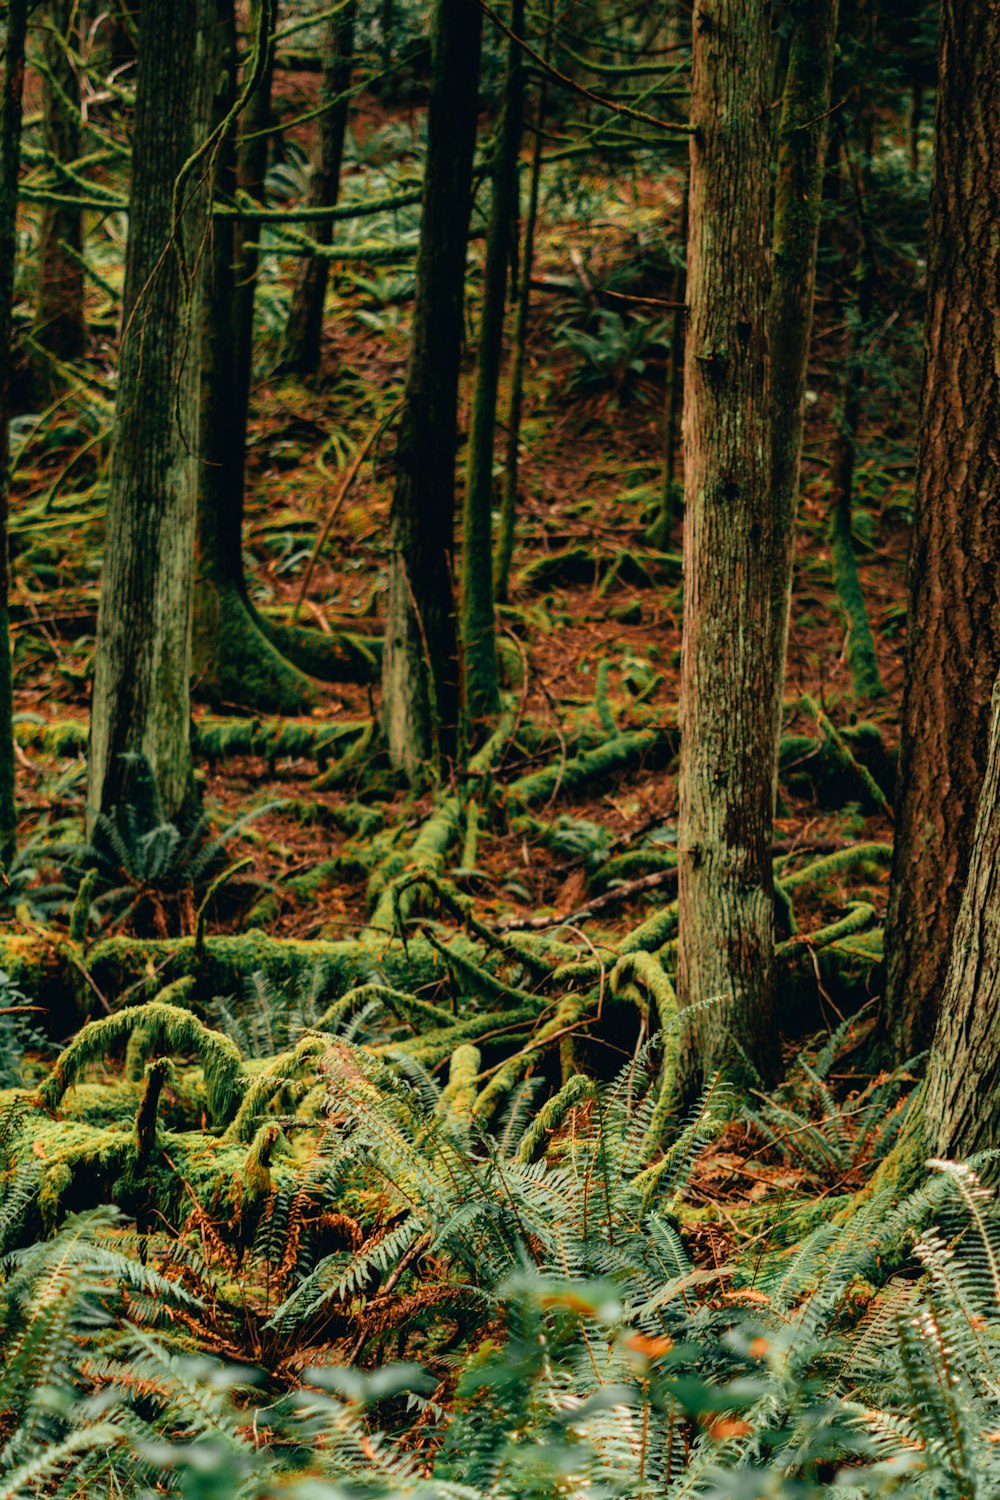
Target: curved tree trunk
[[59, 320], [420, 674], [953, 629], [141, 696], [728, 699], [479, 652], [12, 37], [304, 331]]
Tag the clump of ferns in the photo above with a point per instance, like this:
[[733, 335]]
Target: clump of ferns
[[833, 1137], [592, 1357], [139, 869]]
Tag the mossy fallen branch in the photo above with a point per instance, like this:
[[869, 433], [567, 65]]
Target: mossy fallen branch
[[163, 1025]]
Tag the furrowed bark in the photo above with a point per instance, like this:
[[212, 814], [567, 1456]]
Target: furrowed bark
[[961, 1104], [420, 686], [729, 721], [953, 621]]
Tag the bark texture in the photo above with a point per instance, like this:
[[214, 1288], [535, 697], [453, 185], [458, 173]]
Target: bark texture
[[12, 38], [59, 321], [728, 699], [420, 675], [962, 1097], [953, 630], [802, 141], [141, 695], [304, 332]]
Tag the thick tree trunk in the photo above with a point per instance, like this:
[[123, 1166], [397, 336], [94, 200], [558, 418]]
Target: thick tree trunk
[[482, 683], [59, 320], [141, 696], [12, 37], [802, 141], [304, 332], [420, 676], [961, 1104], [728, 700], [953, 629]]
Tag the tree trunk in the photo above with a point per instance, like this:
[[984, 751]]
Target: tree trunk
[[659, 531], [420, 676], [802, 143], [141, 696], [729, 722], [13, 37], [59, 320], [953, 629], [519, 352], [304, 332], [236, 663], [251, 169], [961, 1104], [479, 654], [859, 648]]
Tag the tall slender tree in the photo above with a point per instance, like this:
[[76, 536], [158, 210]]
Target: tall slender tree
[[802, 143], [479, 655], [141, 695], [59, 328], [519, 353], [953, 616], [728, 699], [13, 37], [251, 171], [304, 331], [420, 674]]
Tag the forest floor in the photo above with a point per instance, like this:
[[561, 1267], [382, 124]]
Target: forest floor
[[586, 588]]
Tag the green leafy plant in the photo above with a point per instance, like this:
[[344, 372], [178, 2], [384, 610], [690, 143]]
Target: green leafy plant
[[612, 356]]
